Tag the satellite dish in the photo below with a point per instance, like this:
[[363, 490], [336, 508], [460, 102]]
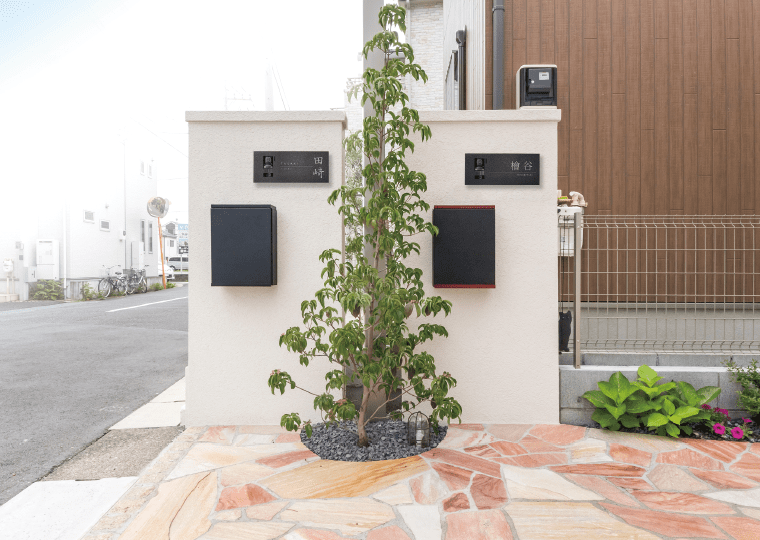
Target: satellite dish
[[158, 207]]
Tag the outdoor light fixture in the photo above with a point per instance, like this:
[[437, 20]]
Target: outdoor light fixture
[[418, 430]]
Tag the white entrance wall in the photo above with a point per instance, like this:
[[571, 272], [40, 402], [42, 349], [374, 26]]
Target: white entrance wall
[[502, 344], [234, 331]]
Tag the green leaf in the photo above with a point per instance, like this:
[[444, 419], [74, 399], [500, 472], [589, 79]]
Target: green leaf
[[598, 399], [668, 407], [648, 375], [687, 429], [603, 418], [617, 412], [688, 393], [620, 387], [672, 430], [629, 421], [707, 394], [686, 411], [656, 420], [638, 405]]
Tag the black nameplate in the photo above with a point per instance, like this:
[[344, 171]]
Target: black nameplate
[[502, 169], [291, 167]]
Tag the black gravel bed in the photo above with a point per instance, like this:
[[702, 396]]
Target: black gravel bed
[[700, 431], [387, 440]]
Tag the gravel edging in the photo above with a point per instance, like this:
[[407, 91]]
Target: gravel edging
[[387, 440]]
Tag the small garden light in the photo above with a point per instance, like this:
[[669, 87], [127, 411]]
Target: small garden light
[[418, 430]]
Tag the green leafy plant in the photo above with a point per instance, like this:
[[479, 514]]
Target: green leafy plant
[[159, 287], [665, 408], [377, 347], [170, 285], [46, 289], [749, 378], [88, 293]]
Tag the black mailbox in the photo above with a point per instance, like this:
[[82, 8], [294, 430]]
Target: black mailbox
[[464, 251], [537, 86], [243, 245]]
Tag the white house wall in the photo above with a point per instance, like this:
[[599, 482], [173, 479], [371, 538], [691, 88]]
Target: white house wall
[[458, 14], [424, 21]]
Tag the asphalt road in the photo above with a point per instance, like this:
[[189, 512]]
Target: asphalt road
[[70, 371]]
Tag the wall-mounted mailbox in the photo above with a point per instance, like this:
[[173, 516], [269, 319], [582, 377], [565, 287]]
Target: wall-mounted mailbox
[[243, 245], [291, 167], [464, 251], [537, 86], [502, 169]]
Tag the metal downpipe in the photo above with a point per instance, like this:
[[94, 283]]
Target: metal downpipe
[[498, 54]]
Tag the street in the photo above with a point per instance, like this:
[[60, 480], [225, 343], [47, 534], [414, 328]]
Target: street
[[69, 371]]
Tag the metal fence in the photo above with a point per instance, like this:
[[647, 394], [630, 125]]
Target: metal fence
[[667, 283]]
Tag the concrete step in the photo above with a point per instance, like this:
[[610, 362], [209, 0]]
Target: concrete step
[[9, 298]]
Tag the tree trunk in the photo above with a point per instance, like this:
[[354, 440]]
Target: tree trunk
[[363, 439]]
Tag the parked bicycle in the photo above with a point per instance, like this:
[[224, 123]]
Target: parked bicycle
[[116, 282], [137, 282]]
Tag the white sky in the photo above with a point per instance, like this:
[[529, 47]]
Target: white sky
[[75, 74]]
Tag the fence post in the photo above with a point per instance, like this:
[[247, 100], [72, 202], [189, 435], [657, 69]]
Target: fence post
[[577, 224]]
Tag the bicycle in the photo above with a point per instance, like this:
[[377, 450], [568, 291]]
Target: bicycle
[[137, 281], [112, 283]]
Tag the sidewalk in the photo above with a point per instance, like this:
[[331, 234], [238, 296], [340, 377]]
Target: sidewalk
[[489, 482]]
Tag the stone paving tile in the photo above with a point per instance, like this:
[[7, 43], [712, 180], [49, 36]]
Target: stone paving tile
[[458, 501], [337, 479], [247, 531], [395, 495], [689, 458], [227, 515], [179, 511], [748, 465], [754, 513], [508, 448], [534, 460], [452, 457], [471, 427], [288, 437], [465, 438], [207, 456], [603, 488], [687, 503], [626, 454], [724, 480], [427, 488], [288, 458], [241, 496], [244, 473], [349, 516], [569, 521], [726, 451], [589, 451], [219, 434], [508, 432], [740, 528], [455, 477], [265, 511], [313, 534], [674, 478], [391, 532], [544, 484], [668, 524], [748, 497], [602, 469], [561, 434], [647, 443], [488, 492], [484, 451], [251, 439], [263, 430], [535, 445], [424, 521], [484, 525], [629, 483]]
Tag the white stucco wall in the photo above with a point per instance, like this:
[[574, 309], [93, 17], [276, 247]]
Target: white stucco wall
[[234, 331], [424, 32], [502, 344]]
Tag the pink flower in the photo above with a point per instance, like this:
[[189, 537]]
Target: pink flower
[[722, 411], [719, 429], [737, 433], [706, 407], [747, 420]]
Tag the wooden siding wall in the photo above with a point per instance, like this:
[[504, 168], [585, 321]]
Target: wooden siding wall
[[660, 99]]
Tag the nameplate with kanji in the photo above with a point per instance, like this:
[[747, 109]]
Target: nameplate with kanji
[[291, 167], [502, 169]]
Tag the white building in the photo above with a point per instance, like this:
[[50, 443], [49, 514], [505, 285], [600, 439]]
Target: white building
[[104, 225]]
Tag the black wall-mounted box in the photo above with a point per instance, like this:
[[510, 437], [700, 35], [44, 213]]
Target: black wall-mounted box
[[291, 167], [502, 169], [243, 245], [537, 86], [464, 251]]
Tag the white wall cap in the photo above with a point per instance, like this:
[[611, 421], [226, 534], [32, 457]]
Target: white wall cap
[[266, 116], [503, 115]]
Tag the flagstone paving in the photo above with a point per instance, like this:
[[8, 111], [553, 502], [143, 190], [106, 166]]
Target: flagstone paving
[[484, 482]]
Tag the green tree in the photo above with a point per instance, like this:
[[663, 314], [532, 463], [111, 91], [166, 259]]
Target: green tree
[[379, 349]]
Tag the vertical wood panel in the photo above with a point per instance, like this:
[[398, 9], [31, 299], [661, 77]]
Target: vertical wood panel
[[732, 19], [575, 31], [533, 39], [547, 32], [719, 172], [661, 19], [604, 105], [704, 61], [747, 107], [575, 160], [675, 109], [618, 191], [633, 90], [718, 64], [589, 18], [561, 50], [733, 130], [647, 65], [563, 137], [756, 23], [690, 46], [661, 130], [757, 144], [690, 152], [633, 194], [518, 55], [519, 19], [618, 47], [704, 199], [647, 172], [590, 116]]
